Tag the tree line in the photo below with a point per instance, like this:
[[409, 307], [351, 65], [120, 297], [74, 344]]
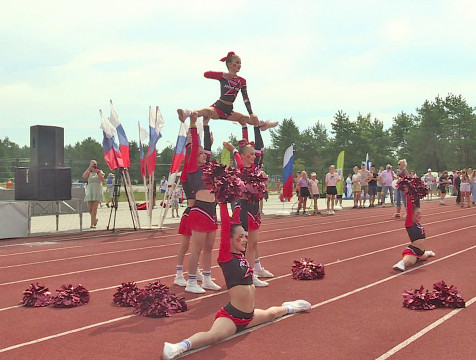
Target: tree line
[[441, 135]]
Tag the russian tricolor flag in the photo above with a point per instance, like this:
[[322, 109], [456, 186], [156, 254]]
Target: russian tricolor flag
[[179, 152], [156, 123], [288, 173], [112, 155], [143, 135], [121, 134]]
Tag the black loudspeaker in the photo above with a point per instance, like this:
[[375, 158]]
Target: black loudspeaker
[[46, 146], [26, 184], [43, 184]]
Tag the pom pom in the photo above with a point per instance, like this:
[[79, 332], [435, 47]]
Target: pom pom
[[419, 300], [225, 182], [156, 300], [36, 296], [416, 188], [447, 296], [126, 294], [71, 297], [306, 269], [255, 184], [443, 296]]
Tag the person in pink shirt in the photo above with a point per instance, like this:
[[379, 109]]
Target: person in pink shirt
[[386, 179], [332, 178]]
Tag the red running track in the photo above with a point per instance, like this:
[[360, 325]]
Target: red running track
[[357, 308]]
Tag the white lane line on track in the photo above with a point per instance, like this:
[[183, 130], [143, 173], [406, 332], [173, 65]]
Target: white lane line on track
[[173, 244], [264, 241], [434, 261], [422, 332], [172, 235]]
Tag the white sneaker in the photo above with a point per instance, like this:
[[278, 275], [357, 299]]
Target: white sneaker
[[328, 212], [199, 276], [171, 351], [265, 125], [180, 280], [183, 114], [298, 305], [194, 288], [263, 273], [399, 266], [333, 212], [210, 285], [430, 253], [259, 283]]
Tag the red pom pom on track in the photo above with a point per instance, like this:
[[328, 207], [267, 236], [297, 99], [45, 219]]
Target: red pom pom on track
[[156, 300], [443, 296], [36, 296], [71, 297], [126, 294], [306, 269]]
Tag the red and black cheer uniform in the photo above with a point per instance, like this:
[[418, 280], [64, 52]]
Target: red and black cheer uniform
[[202, 216], [236, 271], [247, 213], [229, 90], [415, 231], [184, 228]]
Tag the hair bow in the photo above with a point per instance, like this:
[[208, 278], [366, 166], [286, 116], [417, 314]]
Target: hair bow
[[231, 53]]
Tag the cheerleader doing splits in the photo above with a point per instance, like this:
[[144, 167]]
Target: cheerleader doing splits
[[248, 213], [230, 85], [239, 313], [184, 227], [416, 232]]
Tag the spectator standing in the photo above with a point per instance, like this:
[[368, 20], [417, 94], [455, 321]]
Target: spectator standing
[[332, 178], [94, 194], [314, 188], [372, 186], [450, 185], [364, 181], [379, 187], [303, 190], [457, 181], [429, 180], [386, 178], [399, 194], [473, 185], [465, 188], [348, 187], [176, 193], [356, 187], [442, 183], [110, 189], [163, 187]]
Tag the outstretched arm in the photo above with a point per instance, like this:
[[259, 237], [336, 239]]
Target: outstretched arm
[[192, 161], [410, 205], [224, 254], [246, 99], [213, 75]]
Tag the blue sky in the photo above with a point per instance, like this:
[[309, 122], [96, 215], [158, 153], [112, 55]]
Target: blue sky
[[60, 62]]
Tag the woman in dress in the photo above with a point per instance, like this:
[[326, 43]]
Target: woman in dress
[[94, 194]]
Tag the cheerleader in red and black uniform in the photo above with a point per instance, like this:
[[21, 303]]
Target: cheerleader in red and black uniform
[[240, 312], [230, 85], [184, 228], [416, 232], [248, 213], [201, 220]]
